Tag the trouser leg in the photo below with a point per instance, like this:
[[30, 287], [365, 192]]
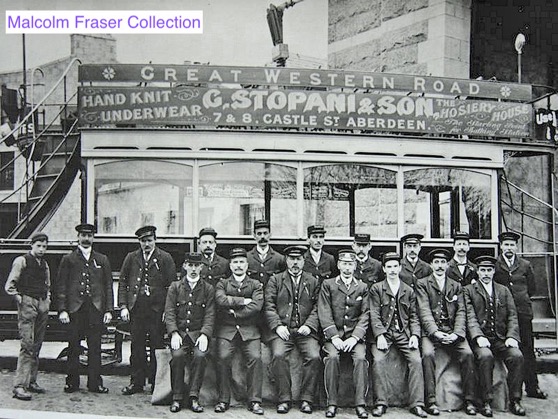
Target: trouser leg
[[360, 373], [224, 369], [311, 366], [197, 371], [429, 369], [94, 332], [485, 366], [155, 332], [138, 358], [281, 369], [513, 358], [416, 377], [331, 372], [527, 346], [76, 327], [27, 314], [40, 328], [467, 364], [254, 375], [177, 364], [378, 373]]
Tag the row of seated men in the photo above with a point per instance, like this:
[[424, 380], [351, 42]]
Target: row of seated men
[[341, 315], [303, 298]]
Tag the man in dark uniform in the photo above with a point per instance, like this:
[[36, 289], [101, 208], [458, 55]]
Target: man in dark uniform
[[518, 276], [263, 261], [214, 267], [29, 284], [460, 268], [493, 329], [239, 301], [394, 321], [189, 316], [412, 267], [142, 290], [85, 301], [291, 299], [443, 318], [368, 269], [317, 262], [343, 314]]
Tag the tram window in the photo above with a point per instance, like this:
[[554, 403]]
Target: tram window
[[132, 193], [7, 174], [235, 194], [349, 198], [439, 201]]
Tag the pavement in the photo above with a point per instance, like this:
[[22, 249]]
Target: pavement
[[55, 404]]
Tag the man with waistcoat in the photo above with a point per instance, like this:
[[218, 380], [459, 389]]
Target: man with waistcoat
[[239, 300], [145, 277], [412, 267], [263, 260], [29, 284], [189, 317], [343, 315], [317, 262], [368, 269], [494, 332], [443, 318], [291, 310], [460, 268], [395, 323], [518, 276], [85, 301], [214, 267]]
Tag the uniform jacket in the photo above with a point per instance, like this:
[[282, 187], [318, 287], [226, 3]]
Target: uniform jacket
[[370, 271], [161, 272], [216, 270], [382, 309], [232, 315], [325, 268], [477, 304], [279, 296], [520, 280], [409, 275], [430, 299], [190, 312], [71, 282], [343, 312], [469, 273], [262, 270]]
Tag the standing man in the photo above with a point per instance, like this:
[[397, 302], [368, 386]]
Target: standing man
[[317, 262], [239, 301], [142, 290], [394, 321], [343, 314], [412, 267], [85, 301], [368, 269], [214, 267], [189, 316], [443, 318], [29, 284], [518, 276], [291, 309], [263, 261], [493, 329], [460, 268]]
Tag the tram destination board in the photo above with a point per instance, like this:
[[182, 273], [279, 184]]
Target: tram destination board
[[288, 108]]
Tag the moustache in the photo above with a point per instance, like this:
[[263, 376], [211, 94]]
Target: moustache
[[262, 240]]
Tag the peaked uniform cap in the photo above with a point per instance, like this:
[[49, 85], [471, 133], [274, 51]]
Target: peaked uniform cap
[[146, 231]]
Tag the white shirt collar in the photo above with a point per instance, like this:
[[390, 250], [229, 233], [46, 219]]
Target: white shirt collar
[[488, 287], [86, 252], [148, 255], [440, 280], [239, 278]]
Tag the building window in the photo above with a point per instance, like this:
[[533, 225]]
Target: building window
[[234, 194], [132, 193], [7, 172], [439, 201], [351, 198]]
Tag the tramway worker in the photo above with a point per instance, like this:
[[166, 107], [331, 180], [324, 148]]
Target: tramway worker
[[239, 300], [189, 317], [318, 262], [142, 290], [29, 284], [214, 266], [85, 301], [443, 319], [460, 268], [494, 332], [343, 315], [291, 309], [263, 260], [395, 323], [518, 276], [412, 267], [368, 269]]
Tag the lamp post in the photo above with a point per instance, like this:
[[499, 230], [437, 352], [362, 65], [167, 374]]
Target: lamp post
[[519, 44], [280, 51]]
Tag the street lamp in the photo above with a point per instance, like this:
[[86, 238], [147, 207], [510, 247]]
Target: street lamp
[[519, 44], [280, 50]]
